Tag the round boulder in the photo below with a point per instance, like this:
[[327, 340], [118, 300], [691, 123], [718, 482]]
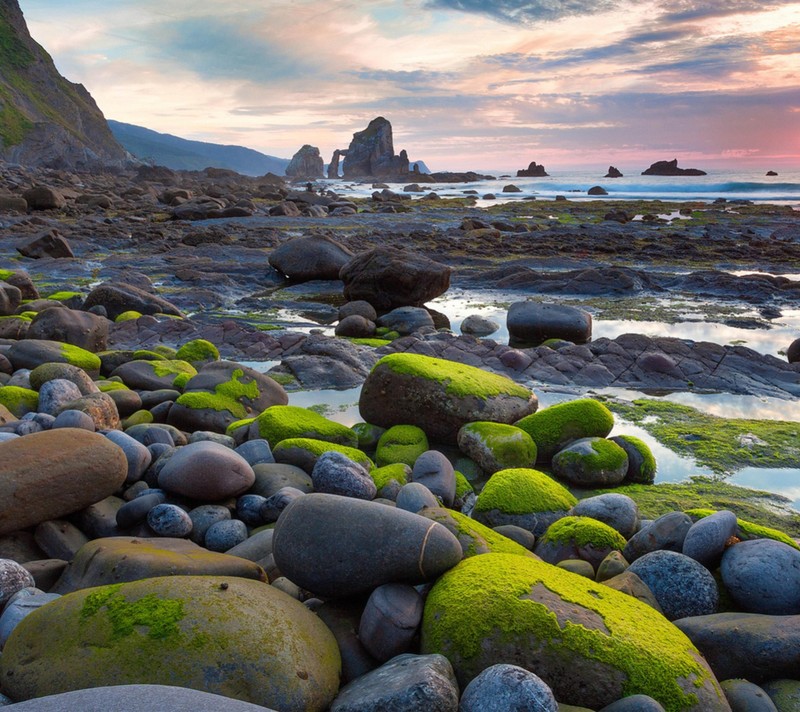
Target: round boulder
[[591, 462], [532, 323], [497, 446], [304, 259], [581, 538], [503, 687], [80, 328], [619, 511], [206, 471], [641, 463]]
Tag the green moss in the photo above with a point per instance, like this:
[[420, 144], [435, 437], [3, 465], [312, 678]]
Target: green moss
[[458, 379], [475, 538], [284, 379], [749, 530], [108, 386], [169, 367], [79, 357], [282, 422], [605, 456], [509, 445], [368, 435], [713, 441], [146, 355], [19, 400], [401, 444], [374, 343], [583, 531], [63, 296], [14, 125], [523, 491], [555, 427], [161, 616], [198, 350], [17, 317], [138, 418], [463, 485], [236, 424], [650, 652], [382, 476], [647, 470], [227, 396], [318, 447], [127, 316]]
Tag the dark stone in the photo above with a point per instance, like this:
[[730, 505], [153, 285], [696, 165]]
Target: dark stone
[[390, 620], [597, 190], [306, 164], [304, 259], [613, 173], [46, 244], [534, 170], [744, 696], [667, 532], [670, 168], [120, 297], [371, 153], [42, 197], [531, 323], [503, 688], [793, 352], [78, 328], [707, 538]]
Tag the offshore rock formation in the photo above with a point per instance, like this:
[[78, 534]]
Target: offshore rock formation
[[613, 172], [46, 120], [534, 170], [670, 168], [371, 153], [306, 164]]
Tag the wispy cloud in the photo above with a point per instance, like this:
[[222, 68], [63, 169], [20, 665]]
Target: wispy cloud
[[528, 11]]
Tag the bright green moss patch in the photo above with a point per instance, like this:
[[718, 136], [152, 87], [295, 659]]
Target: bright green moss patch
[[584, 460], [646, 473], [383, 476], [374, 343], [169, 367], [198, 350], [127, 316], [81, 358], [748, 530], [63, 296], [724, 445], [282, 422], [108, 386], [236, 424], [227, 396], [457, 379], [485, 611], [523, 491], [475, 538], [19, 400], [318, 447], [138, 418], [555, 427], [507, 445], [146, 355], [463, 485], [583, 531], [401, 443]]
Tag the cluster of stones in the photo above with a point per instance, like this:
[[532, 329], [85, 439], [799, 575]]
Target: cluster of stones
[[166, 518]]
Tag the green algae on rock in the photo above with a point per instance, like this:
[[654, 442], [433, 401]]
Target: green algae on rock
[[282, 422], [555, 427], [590, 462], [592, 645], [226, 635], [390, 478], [401, 444], [582, 538], [497, 446], [439, 396], [198, 351], [303, 452], [642, 464], [19, 400]]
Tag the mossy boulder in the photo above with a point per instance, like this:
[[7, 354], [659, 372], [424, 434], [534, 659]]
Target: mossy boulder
[[152, 374], [579, 538], [591, 462], [390, 478], [303, 453], [226, 635], [198, 352], [127, 316], [474, 537], [591, 644], [525, 497], [555, 427], [642, 464], [497, 446], [401, 444], [439, 396], [281, 422], [368, 435], [30, 353], [19, 400], [221, 393]]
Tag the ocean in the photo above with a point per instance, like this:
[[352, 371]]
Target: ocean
[[783, 189]]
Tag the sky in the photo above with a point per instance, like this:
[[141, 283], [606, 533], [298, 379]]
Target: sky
[[466, 84]]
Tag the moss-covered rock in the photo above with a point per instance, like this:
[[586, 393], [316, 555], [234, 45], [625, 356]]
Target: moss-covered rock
[[226, 635], [591, 462], [127, 316], [198, 351], [525, 497], [30, 353], [303, 453], [555, 427], [497, 446], [19, 400], [579, 538], [152, 374], [368, 435], [390, 478], [748, 530], [439, 396], [401, 444], [592, 645], [642, 464], [282, 422]]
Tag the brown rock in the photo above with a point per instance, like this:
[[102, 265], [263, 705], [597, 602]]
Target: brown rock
[[46, 244], [43, 198], [70, 326]]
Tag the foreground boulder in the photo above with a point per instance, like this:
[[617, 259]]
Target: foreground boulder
[[54, 473], [224, 635], [388, 278], [439, 396], [531, 323], [590, 644], [307, 258]]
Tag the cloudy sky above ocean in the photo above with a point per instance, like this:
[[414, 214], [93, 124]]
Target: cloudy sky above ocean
[[467, 84]]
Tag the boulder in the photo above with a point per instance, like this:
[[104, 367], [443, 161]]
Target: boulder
[[793, 352], [31, 353], [613, 173], [54, 473], [497, 446], [42, 197], [502, 687], [439, 396], [619, 511], [479, 325], [120, 297], [591, 462], [744, 696], [388, 277], [707, 538], [306, 164], [406, 320], [531, 323], [591, 645], [304, 259], [335, 473], [338, 546], [304, 453], [80, 328], [49, 243], [667, 532], [597, 190], [13, 578], [400, 444], [178, 630], [580, 538], [281, 422], [641, 462], [390, 620]]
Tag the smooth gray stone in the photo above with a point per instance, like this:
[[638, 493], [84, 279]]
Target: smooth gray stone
[[137, 454], [203, 436], [203, 517], [335, 473], [634, 703], [667, 532], [256, 547], [436, 472], [275, 504], [522, 536], [407, 682], [55, 394], [752, 646], [20, 605], [169, 520], [619, 511], [248, 509], [763, 576], [507, 688], [681, 585], [390, 620], [256, 452], [272, 477], [225, 535], [415, 496], [744, 696], [705, 540], [136, 698], [135, 511]]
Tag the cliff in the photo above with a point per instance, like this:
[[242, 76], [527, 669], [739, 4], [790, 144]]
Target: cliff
[[46, 120], [371, 153]]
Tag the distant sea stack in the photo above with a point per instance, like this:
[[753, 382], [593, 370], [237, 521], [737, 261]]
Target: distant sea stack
[[613, 173], [371, 154], [306, 164], [670, 168], [771, 173], [46, 120], [534, 170]]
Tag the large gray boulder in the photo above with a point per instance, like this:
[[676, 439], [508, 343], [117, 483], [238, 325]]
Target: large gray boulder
[[531, 323], [120, 297], [307, 258]]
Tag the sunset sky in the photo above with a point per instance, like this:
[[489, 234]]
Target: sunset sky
[[467, 84]]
